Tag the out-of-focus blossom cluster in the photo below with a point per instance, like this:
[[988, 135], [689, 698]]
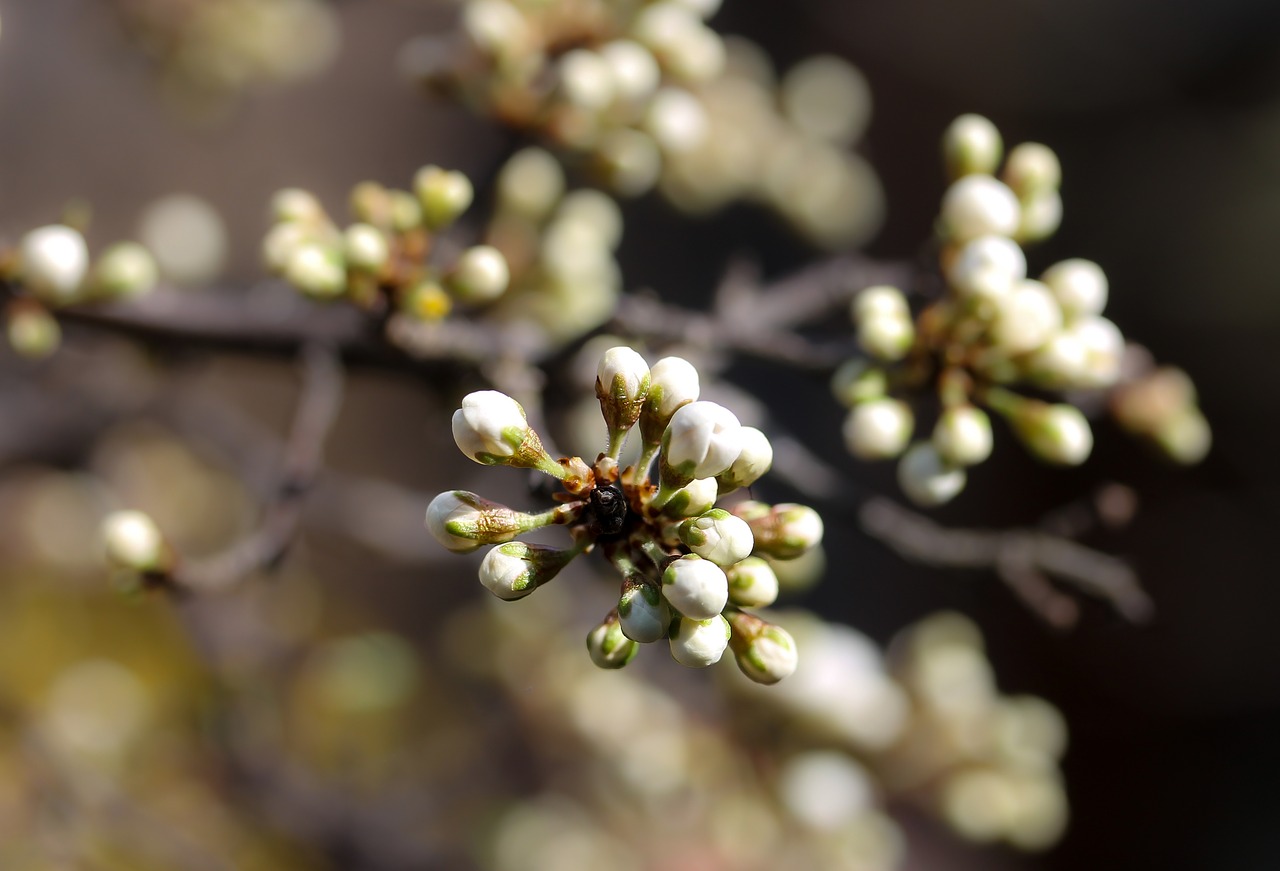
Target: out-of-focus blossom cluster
[[688, 568], [51, 267], [209, 53], [927, 721], [995, 329], [647, 94]]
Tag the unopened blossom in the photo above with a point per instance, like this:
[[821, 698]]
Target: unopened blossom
[[754, 460], [133, 541], [783, 531], [491, 429], [765, 653], [695, 587], [622, 385], [515, 569], [702, 440], [673, 384], [718, 536], [608, 646], [752, 583], [926, 478], [643, 612], [54, 262], [699, 643]]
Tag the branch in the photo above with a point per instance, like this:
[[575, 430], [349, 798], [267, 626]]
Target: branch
[[1022, 557], [318, 406]]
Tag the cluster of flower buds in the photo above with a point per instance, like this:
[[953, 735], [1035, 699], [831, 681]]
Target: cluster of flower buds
[[383, 258], [992, 330], [647, 94], [211, 52], [985, 762], [688, 568], [51, 268]]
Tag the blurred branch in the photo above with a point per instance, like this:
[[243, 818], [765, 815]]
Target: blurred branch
[[1023, 558], [318, 406]]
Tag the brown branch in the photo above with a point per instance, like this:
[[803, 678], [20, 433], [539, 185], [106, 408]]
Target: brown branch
[[1022, 557], [318, 406]]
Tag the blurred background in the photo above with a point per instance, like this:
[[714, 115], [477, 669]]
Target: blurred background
[[361, 659]]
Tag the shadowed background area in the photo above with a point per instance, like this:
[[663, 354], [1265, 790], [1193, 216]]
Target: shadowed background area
[[1166, 117]]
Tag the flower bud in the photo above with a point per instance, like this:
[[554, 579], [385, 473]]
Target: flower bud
[[987, 267], [881, 300], [635, 73], [702, 440], [629, 161], [673, 383], [1041, 217], [752, 583], [783, 531], [886, 337], [294, 205], [717, 536], [125, 269], [676, 120], [1080, 286], [317, 270], [1055, 433], [32, 331], [133, 541], [1185, 438], [491, 429], [496, 27], [515, 569], [463, 521], [530, 183], [406, 212], [971, 145], [1025, 319], [480, 275], [622, 385], [926, 478], [962, 436], [54, 261], [694, 498], [699, 643], [366, 248], [755, 458], [1032, 169], [585, 79], [427, 301], [642, 611], [608, 647], [858, 380], [695, 587], [878, 429], [979, 205], [280, 243], [443, 195], [1103, 345], [765, 653]]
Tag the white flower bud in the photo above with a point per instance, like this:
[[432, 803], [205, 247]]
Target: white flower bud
[[783, 531], [366, 248], [280, 243], [54, 261], [33, 333], [1185, 437], [1025, 318], [1061, 362], [979, 205], [1080, 286], [765, 653], [676, 120], [490, 427], [987, 267], [717, 536], [125, 269], [494, 26], [753, 461], [695, 587], [294, 205], [443, 195], [886, 337], [586, 79], [878, 429], [858, 380], [962, 435], [1055, 433], [926, 478], [879, 301], [1041, 216], [643, 612], [1032, 169], [133, 541], [702, 440], [480, 275], [1103, 345], [515, 569], [635, 73], [971, 145], [530, 183], [752, 583], [316, 270], [673, 383], [608, 647], [622, 385], [694, 498], [699, 643], [463, 521]]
